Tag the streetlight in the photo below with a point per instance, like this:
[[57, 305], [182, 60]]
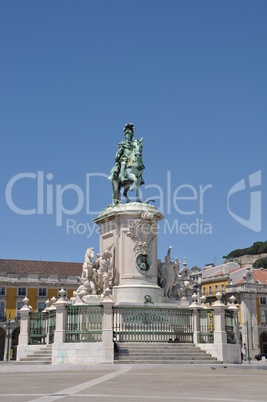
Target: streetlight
[[248, 343], [8, 327]]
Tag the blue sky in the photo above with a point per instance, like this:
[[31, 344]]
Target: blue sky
[[190, 75]]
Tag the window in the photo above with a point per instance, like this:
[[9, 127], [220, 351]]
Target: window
[[210, 290], [21, 291], [263, 300], [264, 317], [2, 291], [204, 291], [41, 306], [2, 311], [42, 292], [222, 287], [216, 289]]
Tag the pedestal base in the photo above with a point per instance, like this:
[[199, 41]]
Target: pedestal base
[[130, 230], [137, 294]]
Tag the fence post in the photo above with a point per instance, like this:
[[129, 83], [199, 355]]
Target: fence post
[[220, 336], [195, 316], [61, 317], [233, 307], [24, 323], [24, 330], [107, 320]]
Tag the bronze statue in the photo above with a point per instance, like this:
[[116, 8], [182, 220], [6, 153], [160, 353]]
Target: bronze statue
[[128, 168]]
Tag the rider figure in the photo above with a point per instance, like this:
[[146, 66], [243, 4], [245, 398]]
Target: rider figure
[[124, 151]]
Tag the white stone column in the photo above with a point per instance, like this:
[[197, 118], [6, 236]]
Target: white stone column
[[227, 353], [24, 323], [220, 336], [61, 317], [195, 316], [22, 348], [107, 322], [234, 309], [249, 322], [107, 328]]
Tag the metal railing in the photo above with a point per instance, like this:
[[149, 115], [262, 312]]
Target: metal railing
[[230, 326], [51, 325], [84, 324], [148, 324], [206, 326], [42, 327], [38, 327]]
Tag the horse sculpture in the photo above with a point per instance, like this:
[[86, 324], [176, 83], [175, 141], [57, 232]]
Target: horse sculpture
[[130, 174]]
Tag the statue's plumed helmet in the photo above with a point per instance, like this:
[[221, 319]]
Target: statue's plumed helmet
[[129, 128]]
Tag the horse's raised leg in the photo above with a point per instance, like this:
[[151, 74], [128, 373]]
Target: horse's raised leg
[[137, 189], [133, 186], [125, 191]]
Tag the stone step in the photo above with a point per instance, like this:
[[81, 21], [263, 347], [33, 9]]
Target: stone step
[[159, 351], [165, 357], [148, 347], [190, 361], [36, 358], [41, 356], [161, 354], [31, 362], [41, 353]]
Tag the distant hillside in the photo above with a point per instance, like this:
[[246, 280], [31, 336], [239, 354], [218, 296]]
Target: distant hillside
[[257, 248]]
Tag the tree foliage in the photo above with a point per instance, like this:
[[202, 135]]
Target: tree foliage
[[258, 247], [260, 263]]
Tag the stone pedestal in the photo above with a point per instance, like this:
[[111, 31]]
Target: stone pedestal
[[129, 231]]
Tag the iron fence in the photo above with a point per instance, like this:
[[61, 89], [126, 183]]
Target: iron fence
[[148, 324], [230, 326], [51, 325], [38, 327], [206, 326], [84, 324]]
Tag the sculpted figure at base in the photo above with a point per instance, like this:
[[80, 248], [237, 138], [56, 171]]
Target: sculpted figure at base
[[89, 272], [128, 168], [175, 282], [104, 266], [96, 275], [168, 273]]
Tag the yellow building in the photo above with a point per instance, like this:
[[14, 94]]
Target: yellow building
[[215, 279], [249, 286], [39, 281]]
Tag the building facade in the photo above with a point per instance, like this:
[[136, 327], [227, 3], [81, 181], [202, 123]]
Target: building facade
[[39, 281], [249, 286]]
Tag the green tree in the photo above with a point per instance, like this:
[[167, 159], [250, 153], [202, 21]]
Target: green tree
[[260, 263], [258, 247]]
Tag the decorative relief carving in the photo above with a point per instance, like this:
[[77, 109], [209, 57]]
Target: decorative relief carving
[[143, 231]]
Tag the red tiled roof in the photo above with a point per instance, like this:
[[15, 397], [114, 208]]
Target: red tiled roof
[[221, 273], [260, 275], [40, 267]]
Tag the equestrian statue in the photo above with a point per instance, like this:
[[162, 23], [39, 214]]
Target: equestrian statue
[[127, 171]]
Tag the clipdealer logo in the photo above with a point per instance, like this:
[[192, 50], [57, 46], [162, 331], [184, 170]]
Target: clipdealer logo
[[253, 191], [185, 200]]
